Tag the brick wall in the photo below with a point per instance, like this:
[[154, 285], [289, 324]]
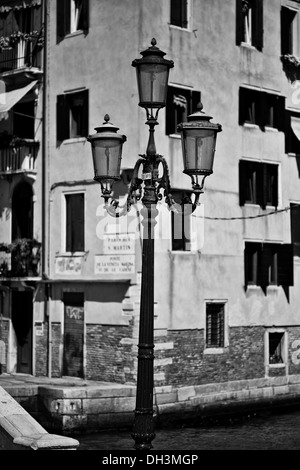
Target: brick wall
[[293, 348], [243, 359], [57, 340], [41, 353], [109, 357], [4, 333]]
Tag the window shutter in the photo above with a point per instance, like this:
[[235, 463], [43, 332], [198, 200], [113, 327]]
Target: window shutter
[[295, 223], [176, 12], [265, 257], [239, 23], [170, 112], [285, 265], [85, 117], [261, 108], [260, 188], [285, 31], [184, 18], [242, 103], [242, 181], [85, 13], [62, 118], [258, 24], [196, 99], [78, 222], [63, 11], [295, 228], [68, 223], [280, 113]]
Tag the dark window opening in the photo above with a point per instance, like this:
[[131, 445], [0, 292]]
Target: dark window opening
[[180, 103], [22, 212], [258, 183], [74, 222], [249, 23], [179, 13], [23, 120], [72, 16], [261, 108], [292, 132], [287, 19], [181, 222], [276, 346], [295, 228], [72, 115], [268, 264], [215, 325]]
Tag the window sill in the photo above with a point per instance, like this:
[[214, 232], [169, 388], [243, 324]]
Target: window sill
[[277, 366], [267, 208], [74, 33], [271, 129], [69, 254], [291, 154], [246, 45], [180, 28], [250, 125], [74, 140], [175, 136], [214, 351]]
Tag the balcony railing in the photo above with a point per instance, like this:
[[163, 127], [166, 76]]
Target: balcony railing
[[21, 258], [19, 156], [22, 54]]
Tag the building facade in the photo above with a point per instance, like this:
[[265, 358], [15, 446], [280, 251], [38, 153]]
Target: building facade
[[227, 277]]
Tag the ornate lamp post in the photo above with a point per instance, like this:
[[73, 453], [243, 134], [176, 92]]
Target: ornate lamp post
[[198, 145]]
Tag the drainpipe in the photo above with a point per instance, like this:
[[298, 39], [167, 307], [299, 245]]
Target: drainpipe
[[47, 310]]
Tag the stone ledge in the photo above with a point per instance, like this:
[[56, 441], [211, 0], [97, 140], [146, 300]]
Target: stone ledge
[[47, 441]]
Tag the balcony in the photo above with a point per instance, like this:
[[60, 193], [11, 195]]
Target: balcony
[[21, 258], [19, 156], [22, 54]]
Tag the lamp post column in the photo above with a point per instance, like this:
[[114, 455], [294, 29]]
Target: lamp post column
[[143, 429]]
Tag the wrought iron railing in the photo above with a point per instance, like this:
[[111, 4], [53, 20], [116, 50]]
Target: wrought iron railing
[[21, 258], [21, 54], [19, 156]]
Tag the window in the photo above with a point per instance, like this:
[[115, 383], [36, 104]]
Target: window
[[258, 183], [74, 222], [72, 15], [181, 222], [268, 264], [249, 23], [23, 119], [72, 115], [295, 228], [179, 13], [276, 354], [215, 333], [261, 108], [288, 31], [180, 103], [292, 132]]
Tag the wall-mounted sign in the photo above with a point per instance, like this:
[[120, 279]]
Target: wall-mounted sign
[[68, 265], [118, 243], [123, 265], [39, 329]]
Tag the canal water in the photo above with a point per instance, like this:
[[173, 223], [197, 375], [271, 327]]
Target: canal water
[[271, 431]]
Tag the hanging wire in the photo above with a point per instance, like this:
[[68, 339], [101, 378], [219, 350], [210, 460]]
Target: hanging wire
[[247, 217]]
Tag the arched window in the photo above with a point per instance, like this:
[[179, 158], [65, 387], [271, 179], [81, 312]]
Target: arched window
[[22, 212]]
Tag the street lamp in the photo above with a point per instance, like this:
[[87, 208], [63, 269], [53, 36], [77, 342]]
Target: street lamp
[[198, 145]]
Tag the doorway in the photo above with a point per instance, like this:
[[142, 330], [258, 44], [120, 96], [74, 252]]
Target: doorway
[[22, 212], [22, 316], [73, 334]]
